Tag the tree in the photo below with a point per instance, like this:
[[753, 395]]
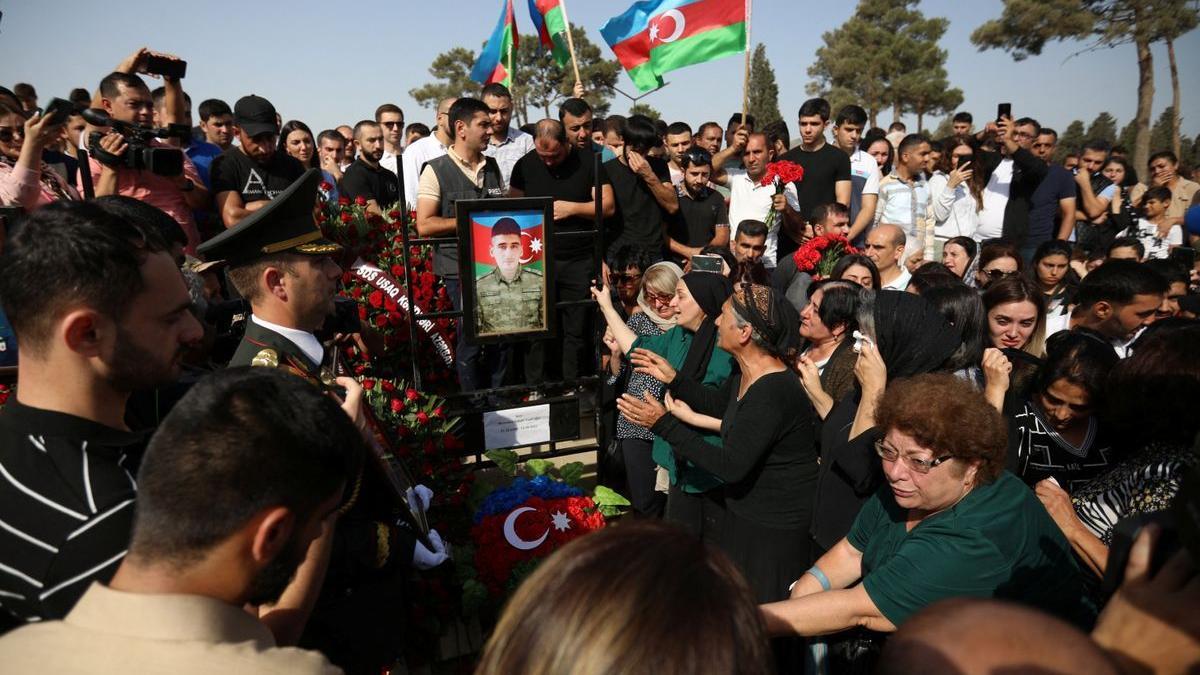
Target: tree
[[764, 93], [1104, 126], [884, 56], [640, 108], [1162, 133], [453, 68], [539, 84], [1071, 140], [1025, 26], [1128, 135], [945, 128], [1175, 19]]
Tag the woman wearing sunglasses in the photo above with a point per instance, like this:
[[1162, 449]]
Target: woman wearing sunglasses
[[997, 259], [25, 180], [948, 522]]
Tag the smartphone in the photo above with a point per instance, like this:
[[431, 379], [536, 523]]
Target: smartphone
[[58, 111], [173, 68], [707, 263], [1003, 110], [1183, 255]]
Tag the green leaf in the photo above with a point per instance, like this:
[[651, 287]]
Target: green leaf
[[539, 467], [607, 497], [571, 473], [505, 460]]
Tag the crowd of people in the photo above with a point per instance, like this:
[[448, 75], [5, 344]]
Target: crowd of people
[[977, 428]]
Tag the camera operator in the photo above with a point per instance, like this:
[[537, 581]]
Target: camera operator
[[126, 99]]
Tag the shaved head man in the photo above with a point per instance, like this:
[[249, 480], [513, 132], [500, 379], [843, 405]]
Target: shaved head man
[[885, 245]]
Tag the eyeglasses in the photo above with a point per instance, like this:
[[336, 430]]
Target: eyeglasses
[[889, 454], [393, 125], [657, 299], [618, 278], [7, 134], [998, 274]]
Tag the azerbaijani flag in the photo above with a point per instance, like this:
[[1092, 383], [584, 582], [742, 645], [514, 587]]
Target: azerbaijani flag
[[532, 239], [496, 61], [656, 36], [547, 16]]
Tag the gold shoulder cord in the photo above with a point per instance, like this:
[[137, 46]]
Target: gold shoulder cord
[[382, 546]]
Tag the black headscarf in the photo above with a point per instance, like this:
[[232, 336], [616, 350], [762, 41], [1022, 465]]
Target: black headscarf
[[773, 318], [912, 335], [710, 291]]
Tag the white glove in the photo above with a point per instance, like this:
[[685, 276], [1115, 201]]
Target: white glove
[[419, 498], [424, 559]]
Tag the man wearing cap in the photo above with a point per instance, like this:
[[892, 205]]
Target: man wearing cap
[[246, 178], [280, 263], [508, 298]]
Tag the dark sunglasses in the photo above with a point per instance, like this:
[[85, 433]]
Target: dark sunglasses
[[393, 125], [998, 274], [7, 134]]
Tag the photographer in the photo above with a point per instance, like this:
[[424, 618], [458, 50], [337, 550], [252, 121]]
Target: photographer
[[126, 100], [25, 180]]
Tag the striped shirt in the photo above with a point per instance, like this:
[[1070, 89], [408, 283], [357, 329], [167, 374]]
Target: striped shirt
[[903, 204], [66, 508]]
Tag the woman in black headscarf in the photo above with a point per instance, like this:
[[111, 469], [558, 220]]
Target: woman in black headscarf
[[694, 497], [767, 455], [905, 335]]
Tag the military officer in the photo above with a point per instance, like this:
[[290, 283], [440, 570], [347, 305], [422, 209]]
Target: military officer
[[280, 263], [509, 298]]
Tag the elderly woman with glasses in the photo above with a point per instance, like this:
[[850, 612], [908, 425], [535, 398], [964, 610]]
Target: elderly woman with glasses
[[949, 522], [767, 457]]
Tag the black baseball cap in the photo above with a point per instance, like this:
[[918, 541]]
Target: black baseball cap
[[255, 115]]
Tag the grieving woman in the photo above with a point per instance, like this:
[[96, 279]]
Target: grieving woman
[[948, 522], [767, 456]]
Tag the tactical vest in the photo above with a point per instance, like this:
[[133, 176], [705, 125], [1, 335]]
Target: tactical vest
[[454, 185]]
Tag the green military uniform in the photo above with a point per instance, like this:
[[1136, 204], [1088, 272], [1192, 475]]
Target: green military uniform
[[509, 306], [359, 617]]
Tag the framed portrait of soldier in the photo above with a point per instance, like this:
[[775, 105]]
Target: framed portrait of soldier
[[507, 283]]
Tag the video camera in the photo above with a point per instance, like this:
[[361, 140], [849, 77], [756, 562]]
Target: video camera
[[139, 154]]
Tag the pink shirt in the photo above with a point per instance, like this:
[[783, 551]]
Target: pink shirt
[[160, 192], [21, 187]]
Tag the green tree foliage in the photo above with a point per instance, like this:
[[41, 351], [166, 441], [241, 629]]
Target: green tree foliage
[[885, 56], [640, 108], [1162, 131], [539, 85], [1025, 26], [1104, 126], [945, 128], [452, 69], [764, 92], [1070, 140], [1128, 135]]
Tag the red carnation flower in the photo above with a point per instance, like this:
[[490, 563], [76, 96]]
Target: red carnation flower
[[422, 418], [438, 412], [398, 270], [381, 320], [325, 186], [347, 217], [360, 201], [368, 384], [387, 386], [343, 201], [396, 405], [376, 299]]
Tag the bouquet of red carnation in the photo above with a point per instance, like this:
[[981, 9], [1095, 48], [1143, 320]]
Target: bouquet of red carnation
[[818, 255], [780, 174]]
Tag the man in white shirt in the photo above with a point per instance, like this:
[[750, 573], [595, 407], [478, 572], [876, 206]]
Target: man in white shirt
[[507, 145], [391, 118], [864, 171], [749, 200], [431, 147], [885, 246]]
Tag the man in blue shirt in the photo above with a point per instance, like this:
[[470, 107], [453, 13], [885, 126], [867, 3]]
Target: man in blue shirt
[[1052, 207]]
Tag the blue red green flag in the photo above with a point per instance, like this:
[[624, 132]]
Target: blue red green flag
[[495, 63], [656, 36], [551, 27]]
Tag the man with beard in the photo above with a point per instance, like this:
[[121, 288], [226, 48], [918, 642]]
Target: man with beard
[[280, 263], [277, 457], [365, 177], [506, 145], [100, 310], [248, 177]]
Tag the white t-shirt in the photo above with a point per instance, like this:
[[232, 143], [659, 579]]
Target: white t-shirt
[[901, 282], [415, 156], [995, 198], [750, 201], [1157, 248]]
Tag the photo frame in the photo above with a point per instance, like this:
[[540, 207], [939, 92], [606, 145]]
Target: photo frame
[[507, 285]]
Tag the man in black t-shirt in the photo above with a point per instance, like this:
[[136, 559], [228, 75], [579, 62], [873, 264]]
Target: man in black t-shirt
[[643, 190], [246, 178], [826, 168], [365, 177], [556, 168], [703, 219]]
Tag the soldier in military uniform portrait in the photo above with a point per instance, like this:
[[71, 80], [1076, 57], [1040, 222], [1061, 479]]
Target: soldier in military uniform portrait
[[509, 298]]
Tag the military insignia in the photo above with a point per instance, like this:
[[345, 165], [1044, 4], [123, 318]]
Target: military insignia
[[268, 358]]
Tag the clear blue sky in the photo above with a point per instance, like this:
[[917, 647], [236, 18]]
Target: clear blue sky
[[284, 51]]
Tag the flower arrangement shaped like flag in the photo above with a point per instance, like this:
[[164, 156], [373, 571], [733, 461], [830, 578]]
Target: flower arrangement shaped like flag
[[656, 36], [496, 61]]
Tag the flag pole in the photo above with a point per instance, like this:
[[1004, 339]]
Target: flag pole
[[746, 74], [570, 40]]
